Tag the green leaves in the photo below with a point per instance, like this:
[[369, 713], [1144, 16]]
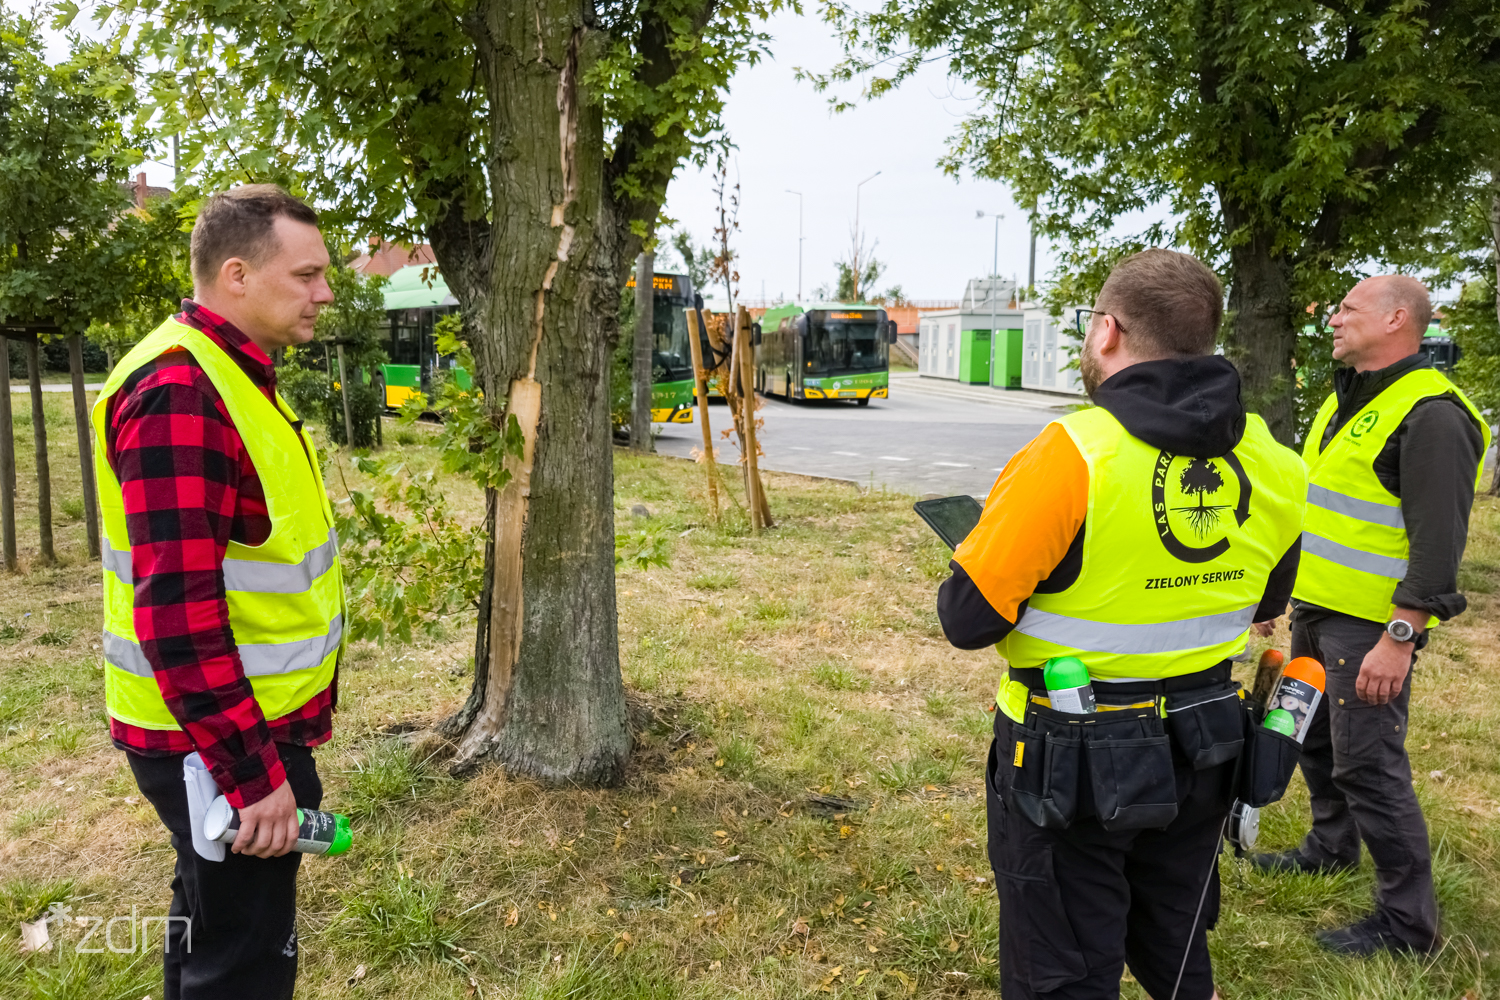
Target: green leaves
[[643, 548]]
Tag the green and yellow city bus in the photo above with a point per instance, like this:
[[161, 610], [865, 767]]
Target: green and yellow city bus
[[671, 351], [413, 306], [834, 350]]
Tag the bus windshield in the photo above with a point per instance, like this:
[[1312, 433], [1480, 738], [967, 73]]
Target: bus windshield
[[839, 342], [671, 354]]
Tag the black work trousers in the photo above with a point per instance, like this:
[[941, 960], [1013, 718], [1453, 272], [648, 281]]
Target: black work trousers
[[1077, 905], [1357, 772], [239, 938]]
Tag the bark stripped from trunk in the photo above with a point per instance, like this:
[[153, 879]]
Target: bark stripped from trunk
[[551, 701]]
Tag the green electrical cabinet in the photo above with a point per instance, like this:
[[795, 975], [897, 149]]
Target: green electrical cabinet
[[1005, 360], [974, 357]]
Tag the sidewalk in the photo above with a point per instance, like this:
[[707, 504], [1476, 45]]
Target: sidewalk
[[911, 382]]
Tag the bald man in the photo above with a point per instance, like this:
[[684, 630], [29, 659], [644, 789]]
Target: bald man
[[1393, 460]]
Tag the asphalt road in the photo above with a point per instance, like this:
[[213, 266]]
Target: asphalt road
[[930, 436]]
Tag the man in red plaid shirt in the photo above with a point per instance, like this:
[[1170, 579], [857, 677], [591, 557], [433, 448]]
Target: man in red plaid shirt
[[190, 492]]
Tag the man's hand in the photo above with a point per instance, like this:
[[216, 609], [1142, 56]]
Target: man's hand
[[268, 829], [1264, 629], [1383, 671]]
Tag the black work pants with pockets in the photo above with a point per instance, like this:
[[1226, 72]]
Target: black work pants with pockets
[[1077, 905], [1357, 772], [240, 938]]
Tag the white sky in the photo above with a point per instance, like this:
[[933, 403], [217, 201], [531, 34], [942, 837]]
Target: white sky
[[929, 239]]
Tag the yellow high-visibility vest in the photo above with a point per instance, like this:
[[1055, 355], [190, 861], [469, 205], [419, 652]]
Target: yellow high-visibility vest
[[1354, 544], [1176, 555], [286, 596]]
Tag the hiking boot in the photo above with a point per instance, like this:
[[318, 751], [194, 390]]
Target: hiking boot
[[1293, 861], [1369, 937]]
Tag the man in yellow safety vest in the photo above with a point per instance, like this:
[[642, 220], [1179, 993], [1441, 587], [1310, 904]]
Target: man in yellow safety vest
[[223, 597], [1143, 536], [1394, 457]]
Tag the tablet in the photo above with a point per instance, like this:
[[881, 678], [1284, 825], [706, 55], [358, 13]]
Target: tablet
[[951, 517]]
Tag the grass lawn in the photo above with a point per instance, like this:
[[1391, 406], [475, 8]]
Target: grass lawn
[[804, 814]]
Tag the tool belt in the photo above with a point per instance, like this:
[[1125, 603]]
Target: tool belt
[[1119, 764]]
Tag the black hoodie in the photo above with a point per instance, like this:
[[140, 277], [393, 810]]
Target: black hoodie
[[1186, 406]]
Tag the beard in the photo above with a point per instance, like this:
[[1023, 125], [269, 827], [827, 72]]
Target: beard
[[1090, 369]]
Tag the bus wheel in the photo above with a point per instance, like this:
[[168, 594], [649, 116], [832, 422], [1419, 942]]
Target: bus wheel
[[863, 401]]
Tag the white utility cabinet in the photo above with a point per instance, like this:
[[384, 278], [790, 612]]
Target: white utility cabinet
[[1049, 344]]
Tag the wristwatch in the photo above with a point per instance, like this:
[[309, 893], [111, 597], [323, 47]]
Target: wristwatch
[[1401, 631]]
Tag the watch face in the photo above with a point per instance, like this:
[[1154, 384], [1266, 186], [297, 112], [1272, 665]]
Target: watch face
[[1399, 630]]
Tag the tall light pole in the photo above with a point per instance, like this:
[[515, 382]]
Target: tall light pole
[[857, 246], [799, 241], [994, 267]]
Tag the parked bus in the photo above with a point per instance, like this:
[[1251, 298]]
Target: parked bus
[[671, 351], [834, 350], [413, 306]]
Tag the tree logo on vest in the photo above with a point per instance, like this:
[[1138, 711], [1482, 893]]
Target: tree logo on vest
[[1190, 498], [1364, 425]]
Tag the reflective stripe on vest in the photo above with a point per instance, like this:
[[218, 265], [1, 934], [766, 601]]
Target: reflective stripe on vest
[[285, 596], [258, 660], [249, 574], [1137, 640], [1176, 555], [1354, 545]]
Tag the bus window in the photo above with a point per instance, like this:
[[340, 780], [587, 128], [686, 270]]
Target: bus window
[[839, 342]]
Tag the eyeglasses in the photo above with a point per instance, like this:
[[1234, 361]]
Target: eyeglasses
[[1083, 317]]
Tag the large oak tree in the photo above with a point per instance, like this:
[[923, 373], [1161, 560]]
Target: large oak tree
[[531, 144]]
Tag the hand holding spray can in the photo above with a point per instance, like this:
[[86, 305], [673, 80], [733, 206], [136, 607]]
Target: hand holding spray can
[[317, 833], [1296, 698]]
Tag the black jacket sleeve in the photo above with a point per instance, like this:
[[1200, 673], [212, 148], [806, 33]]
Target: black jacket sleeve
[[1279, 584], [969, 620], [1440, 449]]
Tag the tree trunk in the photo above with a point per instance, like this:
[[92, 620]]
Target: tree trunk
[[39, 435], [538, 287], [1495, 242], [1263, 337], [7, 463], [344, 395], [85, 448], [640, 409]]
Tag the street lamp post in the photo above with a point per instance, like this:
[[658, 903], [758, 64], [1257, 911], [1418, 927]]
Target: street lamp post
[[994, 270], [857, 247], [799, 241]]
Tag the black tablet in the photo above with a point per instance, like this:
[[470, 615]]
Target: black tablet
[[951, 517]]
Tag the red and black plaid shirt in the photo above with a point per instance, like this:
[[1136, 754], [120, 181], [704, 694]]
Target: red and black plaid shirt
[[189, 490]]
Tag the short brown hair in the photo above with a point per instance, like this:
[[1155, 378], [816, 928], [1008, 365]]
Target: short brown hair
[[1168, 304], [241, 222], [1402, 291]]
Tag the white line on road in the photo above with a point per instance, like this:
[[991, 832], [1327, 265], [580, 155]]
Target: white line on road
[[796, 448], [848, 454], [951, 465], [893, 458]]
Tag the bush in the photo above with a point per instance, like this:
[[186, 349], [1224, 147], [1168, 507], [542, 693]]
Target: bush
[[315, 397]]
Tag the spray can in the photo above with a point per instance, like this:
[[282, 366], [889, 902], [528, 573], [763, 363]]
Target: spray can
[[1296, 698], [1068, 685], [317, 833]]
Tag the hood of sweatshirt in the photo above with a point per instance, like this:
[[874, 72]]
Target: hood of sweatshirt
[[1185, 406]]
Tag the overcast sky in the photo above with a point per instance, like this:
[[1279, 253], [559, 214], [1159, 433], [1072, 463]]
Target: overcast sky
[[929, 239]]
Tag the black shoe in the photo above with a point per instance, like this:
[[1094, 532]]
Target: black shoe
[[1368, 937], [1293, 861]]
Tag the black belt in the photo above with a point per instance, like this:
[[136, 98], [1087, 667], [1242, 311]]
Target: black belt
[[1109, 692]]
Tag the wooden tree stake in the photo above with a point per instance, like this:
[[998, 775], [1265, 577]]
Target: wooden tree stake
[[760, 509], [39, 434], [344, 391], [700, 390], [85, 449], [7, 462]]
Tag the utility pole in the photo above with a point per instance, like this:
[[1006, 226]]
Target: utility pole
[[1031, 267], [994, 270], [176, 165], [799, 241], [858, 248], [640, 409]]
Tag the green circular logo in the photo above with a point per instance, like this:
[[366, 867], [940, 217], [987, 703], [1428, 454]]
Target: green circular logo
[[1364, 424]]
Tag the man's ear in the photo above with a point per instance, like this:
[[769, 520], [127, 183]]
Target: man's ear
[[232, 275], [1107, 335]]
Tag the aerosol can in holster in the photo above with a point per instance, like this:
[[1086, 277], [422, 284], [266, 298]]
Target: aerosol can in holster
[[215, 823], [1290, 710]]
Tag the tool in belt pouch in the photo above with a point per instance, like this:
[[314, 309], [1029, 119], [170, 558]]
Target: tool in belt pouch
[[1124, 753], [1272, 753]]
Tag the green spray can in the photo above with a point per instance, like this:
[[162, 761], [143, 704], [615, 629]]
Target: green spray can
[[317, 832], [1069, 687]]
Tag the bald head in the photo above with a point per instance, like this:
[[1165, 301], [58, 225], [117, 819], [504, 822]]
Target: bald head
[[1381, 321]]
